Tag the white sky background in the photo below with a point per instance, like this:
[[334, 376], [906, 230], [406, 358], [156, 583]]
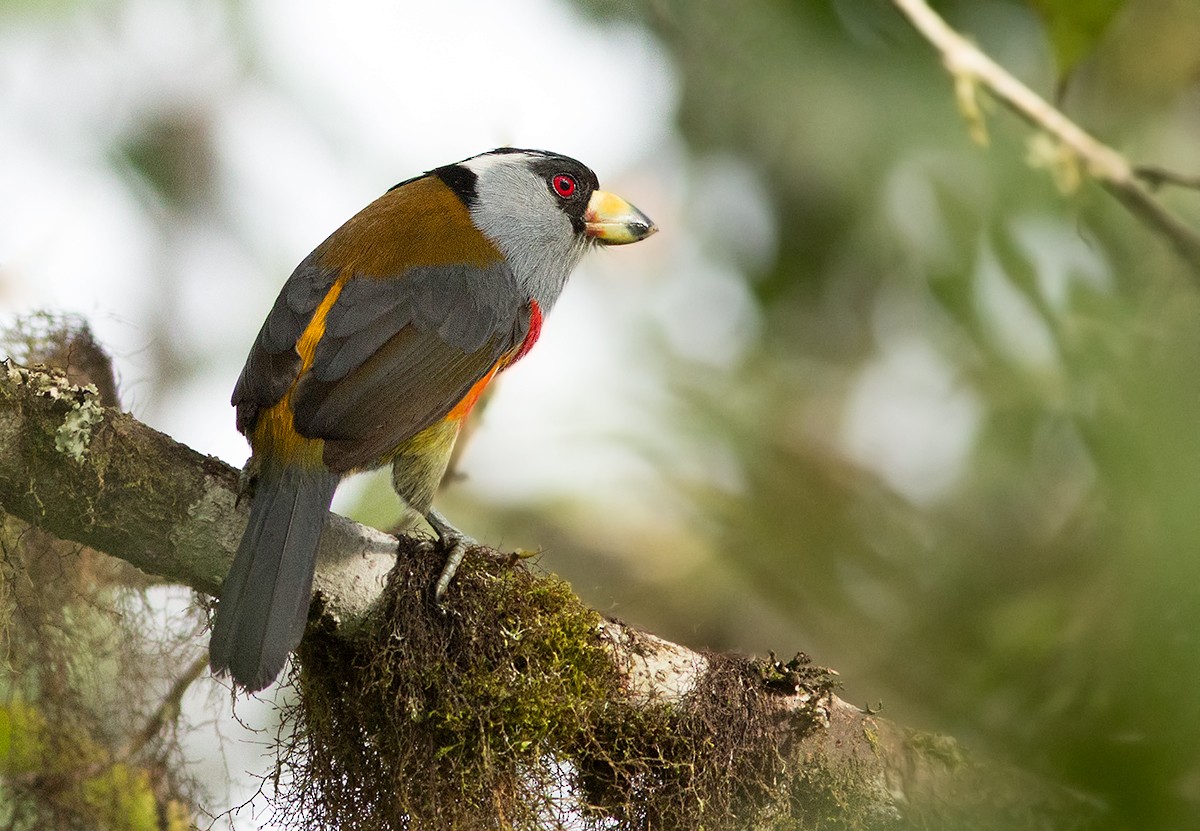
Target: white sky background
[[340, 101]]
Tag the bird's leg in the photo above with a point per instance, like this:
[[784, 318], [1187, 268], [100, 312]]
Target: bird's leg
[[455, 543]]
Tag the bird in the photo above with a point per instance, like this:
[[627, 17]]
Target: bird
[[376, 349]]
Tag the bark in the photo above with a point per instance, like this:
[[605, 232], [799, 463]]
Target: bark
[[99, 477]]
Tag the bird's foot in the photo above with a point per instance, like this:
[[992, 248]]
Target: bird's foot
[[455, 543]]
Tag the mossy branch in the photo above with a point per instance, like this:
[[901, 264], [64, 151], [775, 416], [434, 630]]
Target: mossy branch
[[517, 677]]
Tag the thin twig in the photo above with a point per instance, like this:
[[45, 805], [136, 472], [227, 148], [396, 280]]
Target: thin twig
[[970, 66], [1156, 177], [166, 711]]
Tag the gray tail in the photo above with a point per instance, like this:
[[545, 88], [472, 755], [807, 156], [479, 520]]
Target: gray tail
[[264, 601]]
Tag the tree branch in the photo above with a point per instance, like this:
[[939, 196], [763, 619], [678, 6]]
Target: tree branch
[[99, 477], [1156, 177], [969, 67]]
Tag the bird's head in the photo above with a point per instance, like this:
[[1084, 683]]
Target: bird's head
[[542, 210]]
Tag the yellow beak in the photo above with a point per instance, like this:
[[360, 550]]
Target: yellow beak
[[611, 220]]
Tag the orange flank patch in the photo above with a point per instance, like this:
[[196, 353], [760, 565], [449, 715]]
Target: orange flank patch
[[463, 407]]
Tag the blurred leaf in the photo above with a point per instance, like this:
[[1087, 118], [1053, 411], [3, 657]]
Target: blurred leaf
[[1075, 27], [122, 799], [21, 738], [172, 152]]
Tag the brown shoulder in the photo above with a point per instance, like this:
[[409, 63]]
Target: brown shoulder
[[419, 223]]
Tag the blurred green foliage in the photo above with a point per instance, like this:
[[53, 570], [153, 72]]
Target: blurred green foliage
[[1074, 28], [1044, 604], [77, 680]]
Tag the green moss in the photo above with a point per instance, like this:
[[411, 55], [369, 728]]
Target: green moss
[[838, 796], [438, 711], [872, 737], [503, 710], [75, 433], [932, 746]]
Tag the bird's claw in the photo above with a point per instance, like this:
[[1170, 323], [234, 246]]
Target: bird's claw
[[456, 546]]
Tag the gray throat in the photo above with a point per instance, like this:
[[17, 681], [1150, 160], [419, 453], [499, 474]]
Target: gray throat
[[516, 212]]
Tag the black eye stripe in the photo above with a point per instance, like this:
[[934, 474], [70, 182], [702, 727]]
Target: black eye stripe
[[551, 166]]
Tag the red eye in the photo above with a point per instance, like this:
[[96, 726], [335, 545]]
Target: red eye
[[564, 185]]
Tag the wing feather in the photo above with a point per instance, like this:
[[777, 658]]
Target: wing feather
[[273, 363], [379, 379], [406, 338]]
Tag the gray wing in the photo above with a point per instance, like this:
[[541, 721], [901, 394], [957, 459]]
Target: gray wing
[[399, 353], [273, 363]]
